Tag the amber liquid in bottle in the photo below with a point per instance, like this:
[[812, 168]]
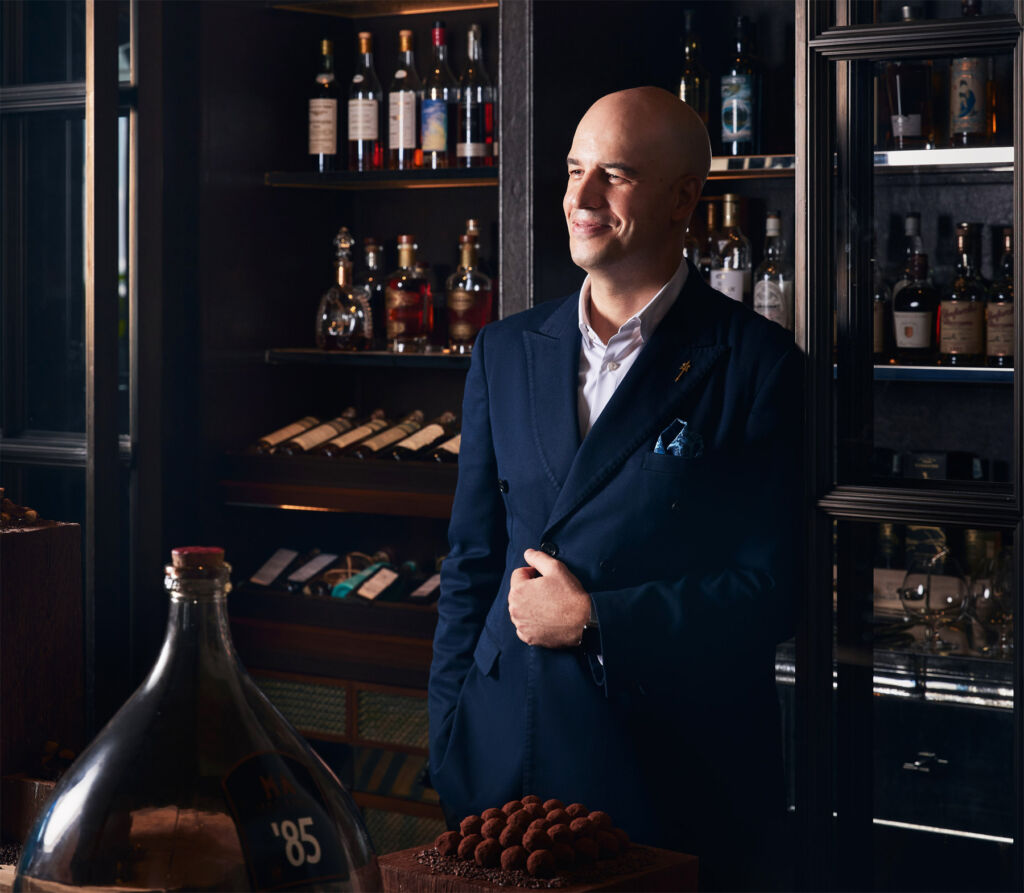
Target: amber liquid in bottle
[[468, 299], [409, 302], [403, 109], [914, 313], [999, 329], [365, 147], [962, 310]]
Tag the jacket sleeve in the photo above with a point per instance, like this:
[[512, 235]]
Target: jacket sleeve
[[717, 615], [472, 571]]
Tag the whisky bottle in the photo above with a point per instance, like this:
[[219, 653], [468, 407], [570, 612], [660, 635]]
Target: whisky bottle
[[198, 782], [448, 450], [881, 318], [336, 446], [914, 312], [999, 331], [408, 301], [420, 444], [323, 113], [773, 279], [969, 112], [691, 246], [694, 80], [365, 148], [372, 280], [439, 108], [908, 91], [475, 138], [378, 444], [343, 319], [730, 264], [404, 96], [312, 438], [962, 310], [267, 442], [741, 96], [468, 298], [710, 245], [912, 244]]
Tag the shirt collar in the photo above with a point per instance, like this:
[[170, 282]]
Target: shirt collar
[[647, 318]]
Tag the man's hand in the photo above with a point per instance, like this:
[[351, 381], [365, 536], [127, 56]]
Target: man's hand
[[547, 604]]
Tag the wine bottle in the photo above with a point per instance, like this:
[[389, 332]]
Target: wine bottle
[[267, 442], [336, 446], [421, 443], [773, 279], [387, 582], [908, 93], [303, 573], [694, 81], [912, 245], [312, 438], [323, 113], [962, 310], [999, 330], [408, 300], [403, 108], [468, 297], [730, 264], [198, 782], [741, 96], [448, 450], [881, 318], [475, 138], [969, 113], [274, 568], [373, 446], [914, 311], [365, 148], [710, 246], [343, 318], [439, 108]]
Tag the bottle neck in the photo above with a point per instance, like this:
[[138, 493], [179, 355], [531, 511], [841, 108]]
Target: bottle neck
[[468, 261], [919, 268], [326, 63], [406, 256], [440, 55], [729, 216], [343, 272], [965, 265], [1006, 261], [405, 60], [473, 48], [373, 259], [774, 246], [365, 61]]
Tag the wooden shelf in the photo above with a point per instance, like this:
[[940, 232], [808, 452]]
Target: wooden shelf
[[363, 180], [306, 356], [940, 374], [362, 9], [751, 167]]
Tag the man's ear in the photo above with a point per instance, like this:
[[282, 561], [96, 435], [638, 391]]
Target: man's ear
[[688, 191]]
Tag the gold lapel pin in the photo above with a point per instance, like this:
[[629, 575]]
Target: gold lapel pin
[[684, 368]]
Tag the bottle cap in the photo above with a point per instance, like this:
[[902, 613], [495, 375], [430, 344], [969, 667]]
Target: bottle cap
[[326, 47], [406, 240], [197, 556], [912, 224], [365, 42], [437, 33], [773, 223]]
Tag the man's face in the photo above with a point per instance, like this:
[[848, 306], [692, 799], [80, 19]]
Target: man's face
[[620, 196]]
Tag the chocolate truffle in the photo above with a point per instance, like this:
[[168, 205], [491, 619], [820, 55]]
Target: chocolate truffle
[[512, 858], [448, 843], [469, 845], [538, 825], [553, 804], [536, 840], [512, 806], [602, 821], [564, 854], [561, 834], [535, 810], [471, 824], [492, 813], [558, 817], [541, 863], [575, 810], [622, 835], [586, 851], [493, 827], [582, 827], [511, 836], [607, 844], [520, 820], [531, 798], [488, 854]]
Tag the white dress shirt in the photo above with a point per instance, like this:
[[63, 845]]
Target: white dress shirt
[[603, 366]]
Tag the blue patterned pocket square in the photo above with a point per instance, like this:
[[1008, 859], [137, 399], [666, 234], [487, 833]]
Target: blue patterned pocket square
[[681, 441]]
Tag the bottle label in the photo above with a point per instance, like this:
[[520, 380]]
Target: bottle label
[[321, 433], [271, 570], [289, 431], [462, 331], [359, 433], [283, 823], [912, 329], [967, 96], [311, 568], [999, 329], [325, 78], [434, 125], [472, 150], [961, 326], [427, 587], [363, 120], [402, 119], [774, 300], [729, 282], [452, 446], [460, 300], [386, 438], [378, 583], [906, 125], [878, 327], [323, 127], [422, 437], [737, 108]]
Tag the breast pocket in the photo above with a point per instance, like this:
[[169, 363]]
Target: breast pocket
[[695, 499]]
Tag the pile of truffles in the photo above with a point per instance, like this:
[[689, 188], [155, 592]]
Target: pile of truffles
[[539, 837]]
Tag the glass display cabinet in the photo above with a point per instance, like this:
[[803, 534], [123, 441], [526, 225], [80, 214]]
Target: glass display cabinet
[[911, 134]]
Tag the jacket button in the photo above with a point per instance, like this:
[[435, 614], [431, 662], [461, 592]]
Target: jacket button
[[606, 565], [675, 506], [550, 548], [503, 485]]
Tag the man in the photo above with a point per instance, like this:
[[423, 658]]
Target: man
[[617, 580]]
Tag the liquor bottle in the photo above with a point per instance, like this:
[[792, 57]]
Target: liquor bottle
[[908, 91], [440, 106], [475, 138], [427, 590], [912, 244], [198, 782], [730, 264], [277, 567], [969, 112], [448, 450], [710, 246], [914, 311], [408, 300], [267, 442], [404, 97], [881, 318], [890, 550], [365, 148], [962, 311], [336, 446], [691, 247], [372, 280], [694, 81], [323, 113], [420, 444], [468, 297], [999, 329], [297, 580], [343, 319], [741, 96], [773, 279], [312, 438], [378, 444]]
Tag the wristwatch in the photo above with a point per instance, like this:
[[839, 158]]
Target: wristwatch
[[590, 638]]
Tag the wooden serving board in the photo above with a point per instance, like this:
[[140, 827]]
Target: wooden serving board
[[668, 871]]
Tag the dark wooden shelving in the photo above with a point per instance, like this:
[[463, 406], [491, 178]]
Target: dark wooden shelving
[[364, 180], [305, 356], [361, 9], [941, 374], [751, 167]]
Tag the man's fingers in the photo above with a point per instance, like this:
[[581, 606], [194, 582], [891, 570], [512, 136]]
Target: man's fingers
[[544, 563], [521, 574]]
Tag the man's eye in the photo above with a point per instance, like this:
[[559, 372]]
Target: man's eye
[[575, 172]]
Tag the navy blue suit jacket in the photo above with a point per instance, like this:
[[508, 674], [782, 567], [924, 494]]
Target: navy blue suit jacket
[[692, 565]]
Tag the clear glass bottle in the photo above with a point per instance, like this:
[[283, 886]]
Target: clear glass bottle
[[475, 139], [343, 319], [365, 147], [908, 93], [999, 330], [198, 782], [372, 279], [468, 299], [962, 310], [323, 113], [914, 312], [694, 80], [408, 301], [404, 95], [773, 279], [912, 244], [731, 263], [741, 96], [439, 108], [969, 111]]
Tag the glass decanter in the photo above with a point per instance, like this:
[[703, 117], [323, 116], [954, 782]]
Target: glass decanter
[[344, 320]]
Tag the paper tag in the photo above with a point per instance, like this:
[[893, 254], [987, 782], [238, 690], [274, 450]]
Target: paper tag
[[377, 583], [310, 568], [426, 587], [273, 567]]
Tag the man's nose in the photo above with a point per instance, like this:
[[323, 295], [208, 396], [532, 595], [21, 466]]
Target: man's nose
[[588, 192]]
